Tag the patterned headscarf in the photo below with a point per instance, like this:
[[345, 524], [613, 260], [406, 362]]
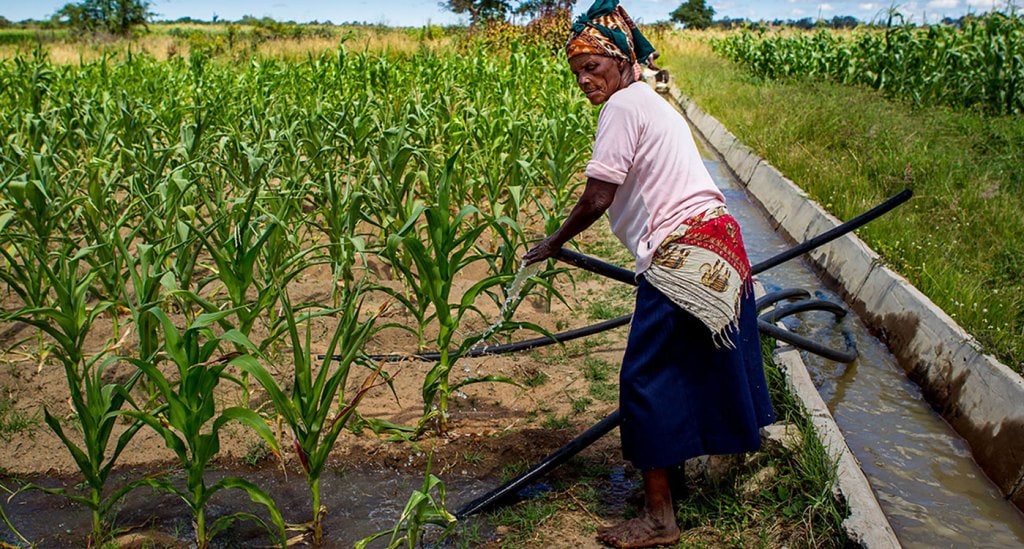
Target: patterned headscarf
[[606, 29]]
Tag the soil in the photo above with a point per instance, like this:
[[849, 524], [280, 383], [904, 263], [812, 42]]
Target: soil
[[494, 428]]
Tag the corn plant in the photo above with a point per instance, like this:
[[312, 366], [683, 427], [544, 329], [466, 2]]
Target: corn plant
[[190, 424], [68, 319], [978, 66], [420, 510], [308, 408], [449, 248]]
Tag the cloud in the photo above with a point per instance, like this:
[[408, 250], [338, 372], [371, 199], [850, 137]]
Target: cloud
[[943, 4]]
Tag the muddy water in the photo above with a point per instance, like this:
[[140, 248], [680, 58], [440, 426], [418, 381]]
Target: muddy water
[[929, 487], [359, 503]]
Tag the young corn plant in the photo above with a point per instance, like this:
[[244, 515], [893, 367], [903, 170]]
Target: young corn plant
[[235, 252], [340, 207], [421, 510], [68, 319], [314, 407], [450, 247], [190, 424]]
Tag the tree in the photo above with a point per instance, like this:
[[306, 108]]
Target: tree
[[694, 14], [111, 16], [480, 11], [843, 22], [544, 8]]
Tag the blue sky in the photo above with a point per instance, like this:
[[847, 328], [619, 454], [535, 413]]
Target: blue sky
[[418, 12]]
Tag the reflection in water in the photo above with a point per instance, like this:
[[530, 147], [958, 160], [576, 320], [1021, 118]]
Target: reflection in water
[[929, 487]]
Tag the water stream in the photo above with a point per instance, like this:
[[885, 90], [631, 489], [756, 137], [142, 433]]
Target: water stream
[[922, 472]]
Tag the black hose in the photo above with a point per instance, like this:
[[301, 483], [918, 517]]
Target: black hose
[[845, 356], [836, 232], [774, 297], [597, 266], [779, 313], [509, 490], [517, 346], [615, 272]]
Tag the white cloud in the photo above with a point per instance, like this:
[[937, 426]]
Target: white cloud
[[943, 4]]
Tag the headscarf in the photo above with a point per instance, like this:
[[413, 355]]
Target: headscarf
[[606, 29]]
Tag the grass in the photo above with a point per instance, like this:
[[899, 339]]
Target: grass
[[256, 453], [535, 377], [959, 240], [602, 379], [611, 303], [555, 421], [773, 498], [13, 421]]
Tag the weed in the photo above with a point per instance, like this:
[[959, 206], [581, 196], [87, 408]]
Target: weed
[[13, 421], [580, 404], [535, 378], [553, 421], [604, 310], [257, 452]]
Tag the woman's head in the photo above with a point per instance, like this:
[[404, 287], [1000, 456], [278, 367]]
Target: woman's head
[[599, 76], [603, 49]]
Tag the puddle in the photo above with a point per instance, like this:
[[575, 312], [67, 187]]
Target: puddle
[[359, 503]]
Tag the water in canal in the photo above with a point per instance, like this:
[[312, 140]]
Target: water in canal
[[922, 472]]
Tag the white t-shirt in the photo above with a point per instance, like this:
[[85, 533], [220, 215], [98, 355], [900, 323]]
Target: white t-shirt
[[645, 146]]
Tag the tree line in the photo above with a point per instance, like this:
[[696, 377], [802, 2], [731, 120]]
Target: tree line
[[120, 17]]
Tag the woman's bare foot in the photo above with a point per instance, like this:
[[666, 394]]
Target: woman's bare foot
[[643, 531]]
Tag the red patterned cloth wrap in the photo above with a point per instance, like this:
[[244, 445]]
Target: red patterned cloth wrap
[[703, 268]]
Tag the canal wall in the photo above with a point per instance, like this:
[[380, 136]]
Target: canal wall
[[979, 396]]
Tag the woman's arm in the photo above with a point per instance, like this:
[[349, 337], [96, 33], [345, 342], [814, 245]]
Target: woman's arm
[[596, 198]]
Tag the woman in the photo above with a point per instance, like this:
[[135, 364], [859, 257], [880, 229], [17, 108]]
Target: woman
[[692, 382]]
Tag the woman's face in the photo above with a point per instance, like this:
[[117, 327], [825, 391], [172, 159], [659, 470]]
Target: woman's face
[[600, 76]]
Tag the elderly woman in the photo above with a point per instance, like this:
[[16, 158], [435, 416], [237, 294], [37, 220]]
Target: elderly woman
[[691, 382]]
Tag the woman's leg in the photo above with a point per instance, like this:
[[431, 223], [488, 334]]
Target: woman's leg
[[656, 524]]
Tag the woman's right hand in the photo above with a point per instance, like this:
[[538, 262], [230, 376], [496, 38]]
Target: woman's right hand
[[545, 250]]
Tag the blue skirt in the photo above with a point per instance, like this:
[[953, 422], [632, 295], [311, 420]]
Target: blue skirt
[[680, 396]]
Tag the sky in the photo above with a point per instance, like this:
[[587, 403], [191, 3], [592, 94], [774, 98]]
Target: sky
[[419, 12]]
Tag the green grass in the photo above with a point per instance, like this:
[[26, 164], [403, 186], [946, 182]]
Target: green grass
[[535, 378], [256, 453], [602, 378], [795, 507], [13, 421], [580, 404], [555, 421], [961, 238]]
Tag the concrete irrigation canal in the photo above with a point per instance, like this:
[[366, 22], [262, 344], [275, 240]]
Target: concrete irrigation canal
[[931, 489]]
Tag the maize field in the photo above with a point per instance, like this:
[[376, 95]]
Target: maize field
[[175, 203], [980, 66]]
